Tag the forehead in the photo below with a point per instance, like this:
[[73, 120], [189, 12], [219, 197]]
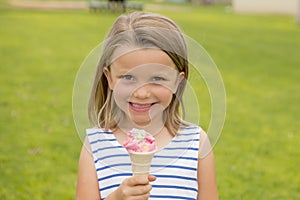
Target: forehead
[[158, 59]]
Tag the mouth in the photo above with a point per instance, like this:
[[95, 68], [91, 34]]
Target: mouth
[[140, 107]]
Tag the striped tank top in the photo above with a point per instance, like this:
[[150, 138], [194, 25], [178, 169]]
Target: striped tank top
[[175, 166]]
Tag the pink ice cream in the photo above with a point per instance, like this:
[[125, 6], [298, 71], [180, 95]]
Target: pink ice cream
[[139, 141]]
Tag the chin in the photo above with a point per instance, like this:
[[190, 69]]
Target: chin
[[141, 123]]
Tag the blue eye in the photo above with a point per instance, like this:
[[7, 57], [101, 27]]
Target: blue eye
[[158, 78], [127, 77]]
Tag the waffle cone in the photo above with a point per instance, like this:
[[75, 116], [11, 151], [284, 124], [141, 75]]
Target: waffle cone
[[141, 162]]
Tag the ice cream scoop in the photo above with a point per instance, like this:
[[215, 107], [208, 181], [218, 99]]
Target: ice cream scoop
[[140, 141], [141, 147]]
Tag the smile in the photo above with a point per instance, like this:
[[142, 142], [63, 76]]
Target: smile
[[140, 107]]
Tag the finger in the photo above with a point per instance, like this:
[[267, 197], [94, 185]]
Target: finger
[[136, 180], [151, 178], [141, 179], [141, 190]]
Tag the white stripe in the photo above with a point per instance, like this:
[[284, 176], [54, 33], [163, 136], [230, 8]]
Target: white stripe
[[173, 192]]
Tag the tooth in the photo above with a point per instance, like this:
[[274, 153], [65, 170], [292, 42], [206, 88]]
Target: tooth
[[141, 105]]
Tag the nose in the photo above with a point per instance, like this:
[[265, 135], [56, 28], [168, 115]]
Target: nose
[[142, 92]]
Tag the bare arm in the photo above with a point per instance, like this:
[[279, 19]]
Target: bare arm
[[87, 184], [207, 184]]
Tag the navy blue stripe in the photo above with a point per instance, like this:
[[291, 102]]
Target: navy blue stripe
[[170, 197], [114, 165], [103, 140], [176, 157], [99, 132], [182, 148], [192, 127], [111, 156], [174, 166], [91, 134], [109, 187], [188, 134], [175, 187], [188, 140], [176, 177], [114, 175], [105, 148]]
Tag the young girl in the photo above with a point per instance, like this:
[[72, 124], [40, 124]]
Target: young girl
[[139, 84]]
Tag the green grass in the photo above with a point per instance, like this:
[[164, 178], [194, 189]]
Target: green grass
[[257, 155]]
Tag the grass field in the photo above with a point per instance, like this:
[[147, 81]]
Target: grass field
[[257, 155]]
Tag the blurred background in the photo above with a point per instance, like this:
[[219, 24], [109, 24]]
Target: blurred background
[[255, 45]]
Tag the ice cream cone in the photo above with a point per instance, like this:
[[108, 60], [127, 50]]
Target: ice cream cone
[[141, 162]]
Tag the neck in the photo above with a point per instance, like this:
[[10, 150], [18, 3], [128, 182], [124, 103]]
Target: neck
[[153, 127]]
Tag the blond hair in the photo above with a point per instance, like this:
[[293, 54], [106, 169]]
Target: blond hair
[[139, 30]]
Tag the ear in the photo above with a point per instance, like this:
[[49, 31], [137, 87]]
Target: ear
[[107, 74], [180, 77]]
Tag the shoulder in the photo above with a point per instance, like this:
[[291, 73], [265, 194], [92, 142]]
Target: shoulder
[[205, 146]]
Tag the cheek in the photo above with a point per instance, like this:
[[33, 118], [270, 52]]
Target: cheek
[[120, 99], [165, 95], [122, 94]]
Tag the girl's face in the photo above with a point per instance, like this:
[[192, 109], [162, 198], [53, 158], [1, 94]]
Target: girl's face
[[143, 83]]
